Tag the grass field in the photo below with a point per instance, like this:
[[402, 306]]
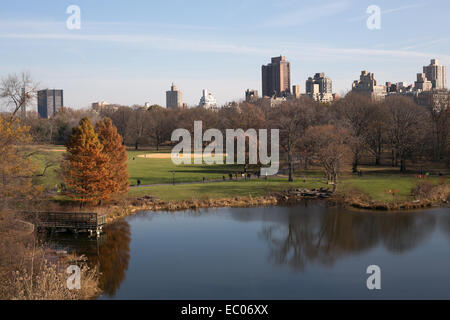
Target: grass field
[[156, 171], [377, 186], [374, 183]]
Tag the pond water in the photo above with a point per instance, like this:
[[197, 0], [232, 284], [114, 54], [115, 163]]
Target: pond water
[[307, 251]]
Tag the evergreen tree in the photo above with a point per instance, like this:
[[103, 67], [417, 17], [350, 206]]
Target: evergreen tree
[[86, 165], [113, 147]]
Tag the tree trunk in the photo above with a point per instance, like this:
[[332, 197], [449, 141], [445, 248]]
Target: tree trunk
[[355, 165], [402, 165], [291, 178], [378, 157]]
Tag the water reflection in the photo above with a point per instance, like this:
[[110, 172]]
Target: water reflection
[[242, 252], [110, 252], [445, 224], [114, 256], [323, 235]]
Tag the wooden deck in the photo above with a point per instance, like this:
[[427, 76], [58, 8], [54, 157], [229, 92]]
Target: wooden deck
[[67, 221]]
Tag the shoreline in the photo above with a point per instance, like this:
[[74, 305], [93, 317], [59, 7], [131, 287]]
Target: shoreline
[[150, 203]]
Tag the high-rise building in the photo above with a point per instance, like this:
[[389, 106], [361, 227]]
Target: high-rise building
[[368, 85], [49, 101], [422, 84], [296, 94], [207, 100], [437, 74], [320, 88], [100, 105], [276, 78], [174, 98], [251, 95]]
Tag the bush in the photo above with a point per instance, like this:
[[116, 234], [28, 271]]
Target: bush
[[422, 190]]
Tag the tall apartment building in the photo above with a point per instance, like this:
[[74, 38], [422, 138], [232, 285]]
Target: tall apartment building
[[207, 100], [296, 94], [49, 101], [437, 74], [320, 88], [368, 85], [251, 95], [422, 84], [276, 78], [174, 98]]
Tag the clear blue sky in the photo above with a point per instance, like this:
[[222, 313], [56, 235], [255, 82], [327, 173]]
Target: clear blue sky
[[129, 52]]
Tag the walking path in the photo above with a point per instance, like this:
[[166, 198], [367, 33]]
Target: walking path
[[206, 181]]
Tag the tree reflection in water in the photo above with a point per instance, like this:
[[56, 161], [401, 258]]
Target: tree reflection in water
[[322, 235], [114, 256], [110, 252], [445, 224]]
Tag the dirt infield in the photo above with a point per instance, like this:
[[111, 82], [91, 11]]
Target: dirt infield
[[169, 155], [51, 150]]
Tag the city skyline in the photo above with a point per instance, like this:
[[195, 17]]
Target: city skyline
[[113, 59]]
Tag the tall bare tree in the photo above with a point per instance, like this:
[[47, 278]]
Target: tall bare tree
[[329, 147], [356, 113], [292, 119], [375, 136], [18, 91], [407, 128]]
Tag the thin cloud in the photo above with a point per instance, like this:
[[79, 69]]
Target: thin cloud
[[158, 42], [185, 44], [423, 44], [37, 24], [388, 11], [308, 14]]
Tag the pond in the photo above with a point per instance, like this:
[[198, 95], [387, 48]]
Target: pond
[[307, 251]]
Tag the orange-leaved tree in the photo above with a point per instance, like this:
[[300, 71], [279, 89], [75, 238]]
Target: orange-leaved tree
[[16, 168], [85, 168], [116, 151]]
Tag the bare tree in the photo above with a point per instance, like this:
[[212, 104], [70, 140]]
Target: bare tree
[[440, 124], [329, 147], [356, 113], [18, 91], [292, 119], [375, 136], [407, 127]]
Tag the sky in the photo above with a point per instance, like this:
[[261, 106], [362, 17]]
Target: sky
[[130, 52]]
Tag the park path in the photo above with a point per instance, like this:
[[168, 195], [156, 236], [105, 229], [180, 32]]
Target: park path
[[206, 181]]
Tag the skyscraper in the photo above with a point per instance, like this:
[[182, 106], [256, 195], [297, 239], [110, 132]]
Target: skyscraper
[[276, 78], [207, 100], [49, 101], [368, 85], [296, 91], [320, 88], [436, 74], [251, 95], [422, 84], [174, 98]]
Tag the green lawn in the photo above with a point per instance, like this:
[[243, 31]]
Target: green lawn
[[48, 155], [377, 186], [159, 171], [155, 171]]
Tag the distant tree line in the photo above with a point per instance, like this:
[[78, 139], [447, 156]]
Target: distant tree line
[[397, 125]]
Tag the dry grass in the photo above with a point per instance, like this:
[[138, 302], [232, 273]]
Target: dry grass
[[49, 282], [29, 272]]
